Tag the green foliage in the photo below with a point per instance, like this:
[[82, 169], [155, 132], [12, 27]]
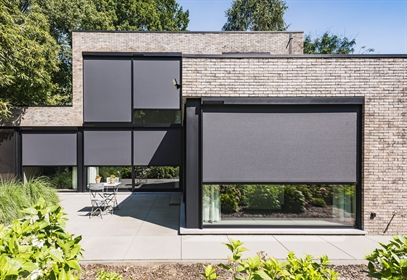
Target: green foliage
[[294, 200], [329, 43], [209, 273], [389, 261], [264, 196], [262, 267], [39, 246], [103, 275], [62, 179], [15, 196], [256, 15], [163, 172], [28, 55], [231, 196], [318, 202]]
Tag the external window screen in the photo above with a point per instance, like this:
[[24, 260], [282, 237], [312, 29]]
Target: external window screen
[[49, 149], [7, 150], [157, 147], [153, 83], [107, 89], [288, 144], [107, 148]]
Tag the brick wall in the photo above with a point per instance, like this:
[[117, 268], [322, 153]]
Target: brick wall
[[383, 83]]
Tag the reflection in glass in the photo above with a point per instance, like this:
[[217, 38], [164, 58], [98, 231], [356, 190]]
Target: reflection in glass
[[157, 116], [60, 177], [7, 153], [288, 205], [156, 177]]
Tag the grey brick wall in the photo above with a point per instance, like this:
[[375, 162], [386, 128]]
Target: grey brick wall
[[383, 83]]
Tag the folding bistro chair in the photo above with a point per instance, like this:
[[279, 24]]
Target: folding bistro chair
[[111, 198], [97, 199]]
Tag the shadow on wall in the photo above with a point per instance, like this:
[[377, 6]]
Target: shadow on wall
[[16, 117]]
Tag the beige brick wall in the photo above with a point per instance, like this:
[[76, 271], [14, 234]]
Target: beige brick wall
[[383, 83]]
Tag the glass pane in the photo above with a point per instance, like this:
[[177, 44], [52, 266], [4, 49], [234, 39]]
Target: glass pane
[[287, 205], [61, 177], [157, 116], [156, 177], [104, 174]]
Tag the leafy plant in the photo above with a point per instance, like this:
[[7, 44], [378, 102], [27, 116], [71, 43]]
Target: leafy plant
[[39, 246], [264, 196], [103, 275], [318, 202], [294, 201], [389, 261], [262, 267]]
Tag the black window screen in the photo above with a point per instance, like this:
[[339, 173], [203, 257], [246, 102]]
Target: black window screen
[[49, 149], [7, 152], [107, 148], [153, 83], [157, 147], [107, 89], [280, 144]]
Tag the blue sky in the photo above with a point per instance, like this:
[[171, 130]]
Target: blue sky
[[381, 25]]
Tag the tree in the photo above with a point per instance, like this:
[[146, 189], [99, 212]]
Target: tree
[[28, 56], [256, 15], [329, 43]]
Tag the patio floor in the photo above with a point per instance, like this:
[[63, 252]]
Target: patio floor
[[146, 229]]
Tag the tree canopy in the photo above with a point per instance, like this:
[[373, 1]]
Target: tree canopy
[[36, 40], [28, 55], [329, 43], [256, 15]]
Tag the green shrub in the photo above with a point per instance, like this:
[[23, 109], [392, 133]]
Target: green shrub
[[15, 196], [62, 179], [38, 246], [262, 267], [389, 261], [294, 201], [163, 172], [318, 202], [231, 197], [264, 196], [103, 275], [228, 203]]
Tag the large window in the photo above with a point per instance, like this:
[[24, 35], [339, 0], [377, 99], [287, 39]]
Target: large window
[[60, 177], [279, 205]]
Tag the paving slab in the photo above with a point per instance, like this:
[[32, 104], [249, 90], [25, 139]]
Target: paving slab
[[356, 246], [159, 228], [204, 247], [106, 248], [264, 243], [311, 245], [154, 248]]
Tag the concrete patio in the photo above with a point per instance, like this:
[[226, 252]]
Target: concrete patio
[[146, 229]]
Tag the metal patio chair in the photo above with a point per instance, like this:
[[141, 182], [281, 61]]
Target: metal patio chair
[[98, 200], [111, 198]]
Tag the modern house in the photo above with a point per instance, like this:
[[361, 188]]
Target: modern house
[[263, 137]]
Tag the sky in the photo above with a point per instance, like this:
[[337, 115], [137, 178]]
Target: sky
[[381, 25]]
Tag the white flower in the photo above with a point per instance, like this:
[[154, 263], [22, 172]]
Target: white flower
[[37, 243], [36, 273]]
